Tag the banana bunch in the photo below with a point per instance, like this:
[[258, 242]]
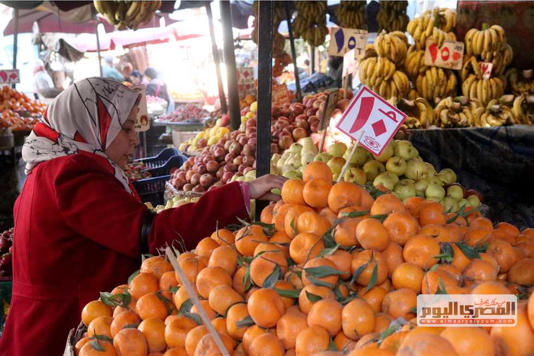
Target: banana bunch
[[484, 90], [278, 16], [521, 106], [351, 14], [445, 19], [457, 112], [393, 45], [495, 114], [127, 14], [381, 75], [486, 43], [392, 16], [520, 82], [422, 28], [310, 23], [420, 113], [436, 82], [415, 62]]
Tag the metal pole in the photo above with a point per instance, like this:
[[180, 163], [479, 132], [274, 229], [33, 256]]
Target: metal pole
[[98, 48], [229, 61], [293, 51], [216, 59], [312, 59], [265, 44], [15, 43]]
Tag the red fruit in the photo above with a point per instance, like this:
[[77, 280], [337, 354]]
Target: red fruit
[[285, 141], [199, 189], [212, 166], [206, 180], [238, 160], [195, 178], [243, 140], [188, 175], [219, 173], [181, 175], [178, 183], [187, 187], [229, 157], [299, 133], [235, 148], [226, 177]]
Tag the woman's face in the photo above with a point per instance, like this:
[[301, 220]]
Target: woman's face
[[124, 144]]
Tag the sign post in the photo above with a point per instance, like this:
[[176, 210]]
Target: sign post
[[371, 120], [449, 55]]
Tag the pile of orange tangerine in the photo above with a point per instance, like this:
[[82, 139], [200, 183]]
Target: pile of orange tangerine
[[328, 271]]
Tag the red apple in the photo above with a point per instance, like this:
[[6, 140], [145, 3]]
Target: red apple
[[299, 133], [212, 166], [187, 187], [225, 120], [219, 173], [238, 160], [199, 189], [188, 175], [206, 180], [227, 176], [235, 148], [195, 178], [181, 175], [285, 141]]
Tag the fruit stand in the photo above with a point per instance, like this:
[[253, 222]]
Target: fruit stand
[[337, 265]]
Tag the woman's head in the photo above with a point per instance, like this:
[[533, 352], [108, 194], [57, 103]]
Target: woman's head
[[95, 115]]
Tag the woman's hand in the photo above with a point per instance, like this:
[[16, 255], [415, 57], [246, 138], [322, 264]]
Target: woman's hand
[[260, 188]]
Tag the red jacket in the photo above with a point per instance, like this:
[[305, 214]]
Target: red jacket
[[77, 232]]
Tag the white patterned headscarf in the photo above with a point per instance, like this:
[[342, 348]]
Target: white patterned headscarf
[[87, 116]]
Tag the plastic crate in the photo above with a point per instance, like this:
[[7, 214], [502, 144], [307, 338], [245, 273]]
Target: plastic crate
[[174, 162], [160, 159], [152, 189]]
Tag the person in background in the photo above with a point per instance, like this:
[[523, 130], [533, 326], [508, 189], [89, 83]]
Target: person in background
[[108, 71], [335, 69], [156, 87], [126, 71], [136, 77], [42, 82]]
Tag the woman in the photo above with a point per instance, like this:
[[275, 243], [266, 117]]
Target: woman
[[80, 227]]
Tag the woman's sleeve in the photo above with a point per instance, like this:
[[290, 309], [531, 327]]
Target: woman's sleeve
[[95, 205], [192, 222]]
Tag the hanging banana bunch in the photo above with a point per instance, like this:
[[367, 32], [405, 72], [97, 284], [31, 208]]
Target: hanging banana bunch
[[310, 23], [520, 82], [415, 62], [393, 45], [457, 112], [127, 14], [392, 16], [484, 90], [278, 16], [437, 25], [381, 75], [435, 83], [351, 14]]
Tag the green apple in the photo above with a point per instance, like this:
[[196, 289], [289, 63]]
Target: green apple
[[396, 165], [372, 168], [455, 192], [293, 174], [449, 204], [336, 165], [355, 175], [323, 157], [415, 169], [337, 149], [430, 170], [404, 189], [435, 191], [473, 201], [386, 154], [387, 179], [360, 156], [449, 175], [295, 148], [463, 202], [435, 180], [420, 187], [405, 149]]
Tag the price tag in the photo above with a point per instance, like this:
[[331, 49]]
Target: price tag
[[280, 94], [142, 122], [343, 40], [9, 76], [371, 120], [245, 81], [450, 55], [485, 68]]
